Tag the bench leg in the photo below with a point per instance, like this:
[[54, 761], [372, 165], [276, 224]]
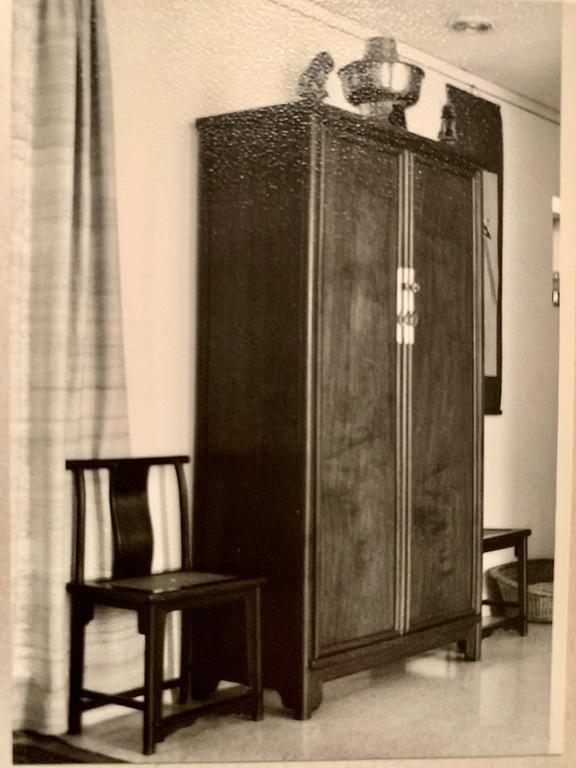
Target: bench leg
[[521, 552]]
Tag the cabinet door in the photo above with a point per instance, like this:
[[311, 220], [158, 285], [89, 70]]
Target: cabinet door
[[356, 527], [442, 512]]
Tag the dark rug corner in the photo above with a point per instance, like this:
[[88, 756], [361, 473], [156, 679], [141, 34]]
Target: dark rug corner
[[29, 748]]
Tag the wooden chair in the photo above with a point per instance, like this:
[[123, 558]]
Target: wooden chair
[[152, 597]]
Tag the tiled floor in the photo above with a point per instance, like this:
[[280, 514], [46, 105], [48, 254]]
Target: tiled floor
[[432, 705]]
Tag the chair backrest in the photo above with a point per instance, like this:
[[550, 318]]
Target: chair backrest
[[132, 535]]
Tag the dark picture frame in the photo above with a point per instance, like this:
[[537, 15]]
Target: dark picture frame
[[479, 135]]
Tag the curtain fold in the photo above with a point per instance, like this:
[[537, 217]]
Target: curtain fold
[[68, 394]]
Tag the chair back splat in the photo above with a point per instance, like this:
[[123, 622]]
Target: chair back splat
[[131, 521], [132, 533]]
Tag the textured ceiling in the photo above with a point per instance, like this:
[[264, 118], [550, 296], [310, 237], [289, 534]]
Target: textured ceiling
[[522, 53]]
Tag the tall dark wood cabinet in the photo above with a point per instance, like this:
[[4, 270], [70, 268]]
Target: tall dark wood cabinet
[[339, 389]]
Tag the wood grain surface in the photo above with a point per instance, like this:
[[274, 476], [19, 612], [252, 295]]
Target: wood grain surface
[[442, 401], [356, 516]]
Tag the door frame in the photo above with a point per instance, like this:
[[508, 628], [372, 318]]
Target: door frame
[[562, 669]]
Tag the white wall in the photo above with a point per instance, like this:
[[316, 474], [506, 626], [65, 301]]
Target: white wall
[[174, 61], [520, 453]]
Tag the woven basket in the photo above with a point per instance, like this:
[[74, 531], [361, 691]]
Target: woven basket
[[540, 588]]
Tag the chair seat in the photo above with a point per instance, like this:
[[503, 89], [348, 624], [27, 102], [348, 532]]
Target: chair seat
[[168, 581], [167, 584]]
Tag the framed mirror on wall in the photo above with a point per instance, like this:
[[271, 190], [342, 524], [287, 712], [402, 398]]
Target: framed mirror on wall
[[492, 293], [479, 135]]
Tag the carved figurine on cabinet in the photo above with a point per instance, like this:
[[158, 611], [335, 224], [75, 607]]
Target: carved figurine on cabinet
[[312, 82]]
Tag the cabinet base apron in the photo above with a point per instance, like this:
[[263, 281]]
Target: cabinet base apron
[[305, 699]]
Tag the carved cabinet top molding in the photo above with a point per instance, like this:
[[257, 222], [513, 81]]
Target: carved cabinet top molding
[[294, 113]]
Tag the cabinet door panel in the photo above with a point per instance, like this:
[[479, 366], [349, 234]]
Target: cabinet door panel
[[441, 536], [356, 546]]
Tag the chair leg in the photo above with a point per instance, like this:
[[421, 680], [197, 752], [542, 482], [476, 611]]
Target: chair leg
[[80, 615], [184, 690], [153, 621], [521, 552], [253, 650]]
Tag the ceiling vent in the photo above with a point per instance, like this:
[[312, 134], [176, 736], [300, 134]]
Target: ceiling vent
[[471, 25]]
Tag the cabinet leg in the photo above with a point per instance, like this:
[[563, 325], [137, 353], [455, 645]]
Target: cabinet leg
[[203, 686], [303, 703], [471, 645]]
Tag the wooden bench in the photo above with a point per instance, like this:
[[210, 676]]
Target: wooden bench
[[502, 538]]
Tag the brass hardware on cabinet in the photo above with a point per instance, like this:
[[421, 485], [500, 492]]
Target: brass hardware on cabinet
[[412, 319], [408, 318]]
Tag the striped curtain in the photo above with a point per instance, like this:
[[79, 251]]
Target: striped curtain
[[68, 396]]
